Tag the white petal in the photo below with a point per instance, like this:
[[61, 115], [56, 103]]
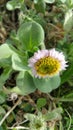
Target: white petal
[[45, 53]]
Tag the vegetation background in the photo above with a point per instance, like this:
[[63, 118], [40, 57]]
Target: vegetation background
[[21, 105]]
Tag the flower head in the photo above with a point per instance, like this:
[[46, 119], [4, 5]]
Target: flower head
[[47, 63], [37, 122]]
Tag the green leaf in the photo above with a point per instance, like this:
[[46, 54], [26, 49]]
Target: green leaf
[[67, 74], [25, 83], [63, 1], [29, 117], [2, 111], [14, 4], [41, 102], [48, 84], [40, 6], [4, 63], [54, 115], [49, 1], [26, 107], [1, 128], [10, 118], [5, 51], [71, 2], [70, 95], [39, 19], [30, 34], [4, 76], [2, 97], [68, 23], [18, 64], [70, 51], [16, 89]]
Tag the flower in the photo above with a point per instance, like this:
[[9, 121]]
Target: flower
[[37, 122], [47, 63]]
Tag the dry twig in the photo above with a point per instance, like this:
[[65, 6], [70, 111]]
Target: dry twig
[[8, 113]]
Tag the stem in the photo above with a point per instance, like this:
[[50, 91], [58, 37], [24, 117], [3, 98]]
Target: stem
[[63, 99], [43, 46], [59, 99], [69, 121], [8, 113], [18, 128], [61, 126], [54, 26]]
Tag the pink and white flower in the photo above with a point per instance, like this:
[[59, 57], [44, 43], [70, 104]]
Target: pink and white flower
[[47, 63]]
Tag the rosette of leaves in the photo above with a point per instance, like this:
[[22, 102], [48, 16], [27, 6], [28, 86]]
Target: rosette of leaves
[[39, 121], [14, 57]]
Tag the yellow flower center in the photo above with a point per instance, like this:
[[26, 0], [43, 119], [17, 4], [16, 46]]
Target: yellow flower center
[[47, 66]]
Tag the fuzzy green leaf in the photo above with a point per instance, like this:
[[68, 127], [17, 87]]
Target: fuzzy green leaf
[[49, 1], [18, 63], [25, 83], [2, 111], [5, 51], [68, 23], [67, 74], [54, 115], [14, 4], [63, 1], [2, 97], [4, 76], [30, 34], [41, 102], [48, 84]]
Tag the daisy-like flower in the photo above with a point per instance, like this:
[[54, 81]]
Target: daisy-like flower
[[47, 63]]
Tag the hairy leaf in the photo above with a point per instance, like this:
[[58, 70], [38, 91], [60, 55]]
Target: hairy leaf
[[47, 85], [5, 51], [68, 23], [49, 1], [25, 83], [30, 34], [18, 63]]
